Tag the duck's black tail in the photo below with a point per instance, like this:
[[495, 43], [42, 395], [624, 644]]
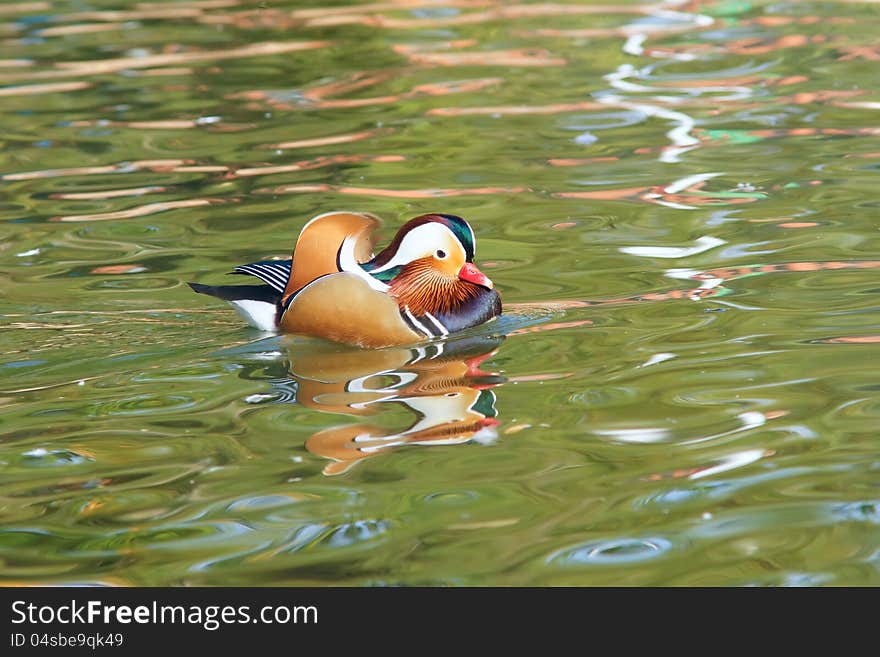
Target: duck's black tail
[[258, 304], [262, 293]]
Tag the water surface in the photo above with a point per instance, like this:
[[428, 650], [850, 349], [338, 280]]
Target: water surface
[[678, 201]]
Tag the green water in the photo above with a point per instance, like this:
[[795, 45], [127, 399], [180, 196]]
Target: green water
[[704, 174]]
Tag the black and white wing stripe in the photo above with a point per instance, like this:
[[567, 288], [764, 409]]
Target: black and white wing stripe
[[274, 273]]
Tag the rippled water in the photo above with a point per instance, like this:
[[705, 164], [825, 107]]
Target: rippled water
[[678, 201]]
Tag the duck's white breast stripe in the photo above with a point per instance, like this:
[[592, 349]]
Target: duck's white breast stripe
[[416, 323], [443, 330]]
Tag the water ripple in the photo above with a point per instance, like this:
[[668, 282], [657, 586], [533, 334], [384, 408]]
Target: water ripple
[[677, 201], [611, 552]]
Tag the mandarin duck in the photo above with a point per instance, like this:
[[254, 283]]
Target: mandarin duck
[[423, 286]]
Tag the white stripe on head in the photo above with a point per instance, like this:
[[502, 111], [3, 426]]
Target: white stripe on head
[[421, 242], [473, 238]]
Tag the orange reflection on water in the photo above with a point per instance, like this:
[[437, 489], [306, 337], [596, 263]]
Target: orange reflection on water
[[798, 224], [516, 57], [622, 31], [166, 124], [306, 165], [373, 14], [392, 193], [729, 273], [852, 339], [867, 53], [140, 211], [117, 64], [407, 49], [85, 28], [759, 46], [688, 197], [577, 33], [353, 82], [122, 167], [541, 328], [553, 108], [579, 161], [267, 17], [498, 12], [196, 4], [24, 7], [775, 133], [393, 5], [779, 20], [105, 194], [47, 88], [133, 268], [330, 140], [318, 96], [712, 281]]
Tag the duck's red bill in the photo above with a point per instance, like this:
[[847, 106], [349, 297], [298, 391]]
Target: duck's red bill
[[469, 272]]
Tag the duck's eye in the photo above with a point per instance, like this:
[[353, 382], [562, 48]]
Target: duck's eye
[[441, 253]]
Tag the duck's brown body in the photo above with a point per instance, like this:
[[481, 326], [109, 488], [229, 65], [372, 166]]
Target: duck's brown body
[[423, 286], [343, 308]]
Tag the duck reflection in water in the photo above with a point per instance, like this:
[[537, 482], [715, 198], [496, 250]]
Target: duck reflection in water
[[441, 383]]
